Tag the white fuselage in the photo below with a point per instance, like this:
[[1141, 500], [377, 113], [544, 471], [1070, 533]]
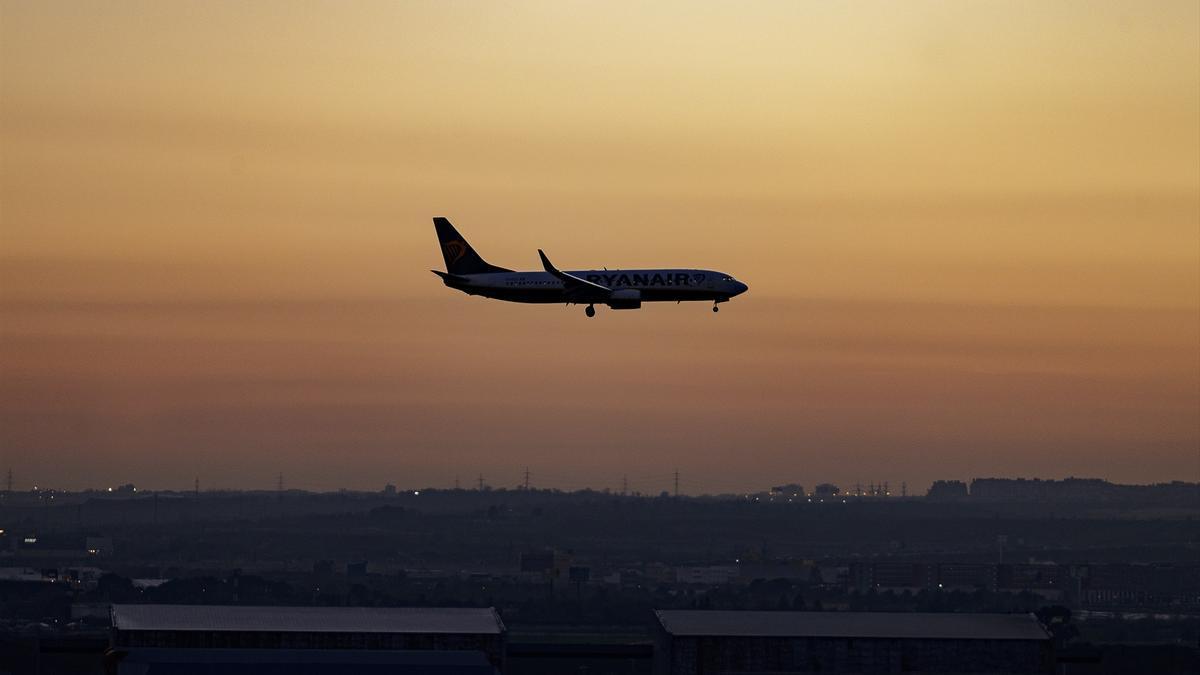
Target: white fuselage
[[644, 285]]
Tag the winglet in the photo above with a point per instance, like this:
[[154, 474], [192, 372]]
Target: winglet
[[572, 283], [546, 263]]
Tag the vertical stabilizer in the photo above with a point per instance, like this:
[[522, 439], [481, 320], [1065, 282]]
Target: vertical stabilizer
[[460, 257]]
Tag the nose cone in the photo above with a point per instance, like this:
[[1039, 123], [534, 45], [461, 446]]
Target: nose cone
[[739, 288]]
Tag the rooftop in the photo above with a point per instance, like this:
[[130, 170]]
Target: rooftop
[[852, 625], [473, 621], [157, 661]]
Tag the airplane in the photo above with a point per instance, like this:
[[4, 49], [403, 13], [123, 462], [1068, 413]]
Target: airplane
[[619, 289]]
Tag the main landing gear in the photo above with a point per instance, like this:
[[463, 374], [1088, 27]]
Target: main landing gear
[[716, 309], [590, 311]]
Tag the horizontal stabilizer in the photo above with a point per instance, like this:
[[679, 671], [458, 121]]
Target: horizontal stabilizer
[[449, 277]]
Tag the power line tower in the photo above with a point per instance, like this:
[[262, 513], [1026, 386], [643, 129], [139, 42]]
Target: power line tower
[[526, 478], [676, 482], [279, 484], [481, 482], [624, 484], [196, 486], [903, 488], [456, 484], [9, 483], [886, 491]]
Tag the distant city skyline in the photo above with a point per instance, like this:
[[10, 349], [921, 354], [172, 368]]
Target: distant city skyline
[[970, 231], [863, 489]]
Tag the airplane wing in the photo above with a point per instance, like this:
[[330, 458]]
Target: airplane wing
[[575, 286]]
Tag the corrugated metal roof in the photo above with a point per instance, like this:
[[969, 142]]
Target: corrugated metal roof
[[471, 621], [406, 656], [852, 625], [160, 661]]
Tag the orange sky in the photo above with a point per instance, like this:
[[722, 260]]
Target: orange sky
[[971, 232]]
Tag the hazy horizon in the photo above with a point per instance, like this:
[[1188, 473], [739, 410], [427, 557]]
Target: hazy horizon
[[971, 234]]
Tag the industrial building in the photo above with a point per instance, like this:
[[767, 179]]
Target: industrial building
[[301, 662], [206, 632], [730, 642]]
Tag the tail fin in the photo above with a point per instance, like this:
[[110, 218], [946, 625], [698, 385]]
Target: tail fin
[[460, 257]]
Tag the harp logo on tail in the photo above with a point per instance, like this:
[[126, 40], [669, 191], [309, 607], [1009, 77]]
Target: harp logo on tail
[[455, 250]]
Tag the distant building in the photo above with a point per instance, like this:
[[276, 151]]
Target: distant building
[[25, 574], [789, 491], [827, 491], [214, 627], [1046, 579], [552, 566], [712, 575], [1066, 491], [749, 571], [713, 642], [65, 546], [947, 491], [1093, 585], [966, 576], [1020, 489], [888, 575], [1082, 490], [1139, 584], [916, 576], [100, 547]]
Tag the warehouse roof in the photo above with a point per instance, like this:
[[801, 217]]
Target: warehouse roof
[[161, 661], [307, 619], [852, 625]]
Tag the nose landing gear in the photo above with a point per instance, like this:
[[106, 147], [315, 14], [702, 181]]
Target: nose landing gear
[[590, 311]]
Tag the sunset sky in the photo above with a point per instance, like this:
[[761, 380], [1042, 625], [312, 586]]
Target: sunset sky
[[971, 232]]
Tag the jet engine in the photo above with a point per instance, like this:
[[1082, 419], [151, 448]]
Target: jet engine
[[627, 298]]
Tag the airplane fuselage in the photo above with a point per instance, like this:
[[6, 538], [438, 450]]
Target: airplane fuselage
[[649, 285]]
